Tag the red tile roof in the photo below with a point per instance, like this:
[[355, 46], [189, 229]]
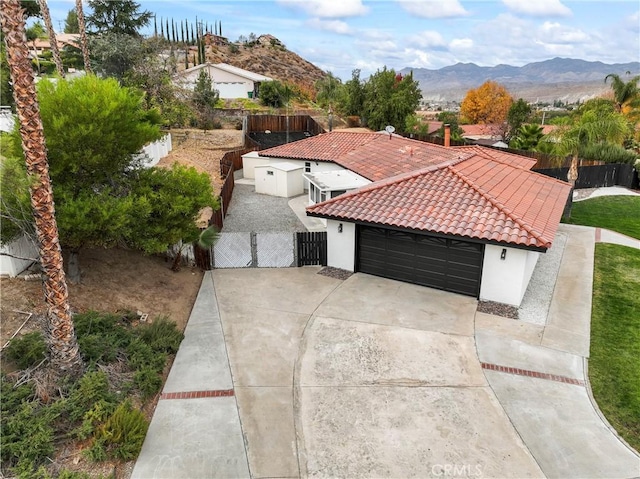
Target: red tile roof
[[323, 147], [374, 156], [501, 156], [474, 197]]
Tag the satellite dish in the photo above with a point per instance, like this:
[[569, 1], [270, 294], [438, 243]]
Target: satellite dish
[[390, 129]]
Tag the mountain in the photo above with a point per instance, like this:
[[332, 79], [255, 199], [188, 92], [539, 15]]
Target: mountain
[[563, 79]]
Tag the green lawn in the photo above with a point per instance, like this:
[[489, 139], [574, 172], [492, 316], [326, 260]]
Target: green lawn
[[614, 365], [616, 213]]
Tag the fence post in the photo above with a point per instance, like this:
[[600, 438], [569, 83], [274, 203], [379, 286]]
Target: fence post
[[254, 250]]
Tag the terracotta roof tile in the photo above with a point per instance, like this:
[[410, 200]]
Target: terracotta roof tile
[[474, 197]]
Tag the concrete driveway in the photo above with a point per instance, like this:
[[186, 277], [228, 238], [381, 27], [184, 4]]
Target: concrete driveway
[[289, 373], [362, 378]]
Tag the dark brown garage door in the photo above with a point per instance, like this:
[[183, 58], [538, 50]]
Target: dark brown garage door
[[442, 263]]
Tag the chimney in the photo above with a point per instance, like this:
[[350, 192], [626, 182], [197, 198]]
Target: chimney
[[447, 135]]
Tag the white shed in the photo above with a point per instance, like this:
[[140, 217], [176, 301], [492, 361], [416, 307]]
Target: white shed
[[279, 179]]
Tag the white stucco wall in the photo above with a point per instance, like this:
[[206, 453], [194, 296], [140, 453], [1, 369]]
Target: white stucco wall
[[341, 247], [506, 281], [228, 84], [275, 181], [21, 247], [250, 161], [253, 158]]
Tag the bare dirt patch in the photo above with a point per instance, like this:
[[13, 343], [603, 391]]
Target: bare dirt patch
[[114, 280]]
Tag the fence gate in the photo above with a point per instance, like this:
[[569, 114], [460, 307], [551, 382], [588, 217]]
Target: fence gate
[[312, 248]]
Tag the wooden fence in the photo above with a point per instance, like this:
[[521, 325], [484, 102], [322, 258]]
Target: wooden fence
[[598, 176], [276, 123]]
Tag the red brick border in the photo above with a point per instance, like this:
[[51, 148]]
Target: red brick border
[[198, 394], [532, 374]]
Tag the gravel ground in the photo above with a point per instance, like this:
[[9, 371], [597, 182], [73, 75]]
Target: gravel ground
[[537, 299], [250, 211]]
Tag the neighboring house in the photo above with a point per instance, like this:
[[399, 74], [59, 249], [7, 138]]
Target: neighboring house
[[40, 45], [470, 220], [231, 82], [482, 132]]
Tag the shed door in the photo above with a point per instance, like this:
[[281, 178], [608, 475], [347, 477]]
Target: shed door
[[442, 263]]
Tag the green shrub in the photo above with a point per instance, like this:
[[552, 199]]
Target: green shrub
[[162, 335], [148, 382], [27, 435], [142, 355], [101, 336], [124, 432], [90, 390], [27, 351]]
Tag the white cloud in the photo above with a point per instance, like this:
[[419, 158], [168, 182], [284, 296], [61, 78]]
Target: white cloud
[[556, 33], [328, 8], [538, 8], [461, 44], [335, 26], [427, 39], [434, 8]]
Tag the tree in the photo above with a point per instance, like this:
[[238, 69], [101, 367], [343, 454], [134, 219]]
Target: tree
[[104, 196], [60, 333], [519, 114], [527, 137], [626, 94], [116, 53], [488, 104], [118, 16], [46, 16], [84, 42], [71, 22], [35, 31], [450, 118], [204, 99], [389, 98], [330, 91], [275, 94], [353, 101], [595, 122]]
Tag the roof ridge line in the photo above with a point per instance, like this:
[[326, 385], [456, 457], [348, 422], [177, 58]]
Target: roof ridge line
[[499, 205], [374, 185]]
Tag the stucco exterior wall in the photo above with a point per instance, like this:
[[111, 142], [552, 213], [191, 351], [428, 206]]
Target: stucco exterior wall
[[22, 248], [252, 159], [341, 246], [506, 280]]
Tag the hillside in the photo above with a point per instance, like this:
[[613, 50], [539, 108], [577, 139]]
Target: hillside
[[267, 56], [563, 79]]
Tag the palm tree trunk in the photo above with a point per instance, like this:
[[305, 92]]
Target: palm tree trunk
[[84, 44], [46, 16], [60, 333]]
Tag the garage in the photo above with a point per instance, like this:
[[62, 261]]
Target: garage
[[437, 262]]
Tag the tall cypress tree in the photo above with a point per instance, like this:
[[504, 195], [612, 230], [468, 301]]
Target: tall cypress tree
[[161, 28], [173, 30], [167, 30], [182, 30], [155, 27]]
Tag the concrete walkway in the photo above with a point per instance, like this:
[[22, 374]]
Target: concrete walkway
[[288, 373]]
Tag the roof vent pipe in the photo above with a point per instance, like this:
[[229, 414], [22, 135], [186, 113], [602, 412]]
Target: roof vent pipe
[[447, 135]]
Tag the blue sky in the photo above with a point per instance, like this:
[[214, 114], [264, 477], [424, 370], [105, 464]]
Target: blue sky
[[340, 35]]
